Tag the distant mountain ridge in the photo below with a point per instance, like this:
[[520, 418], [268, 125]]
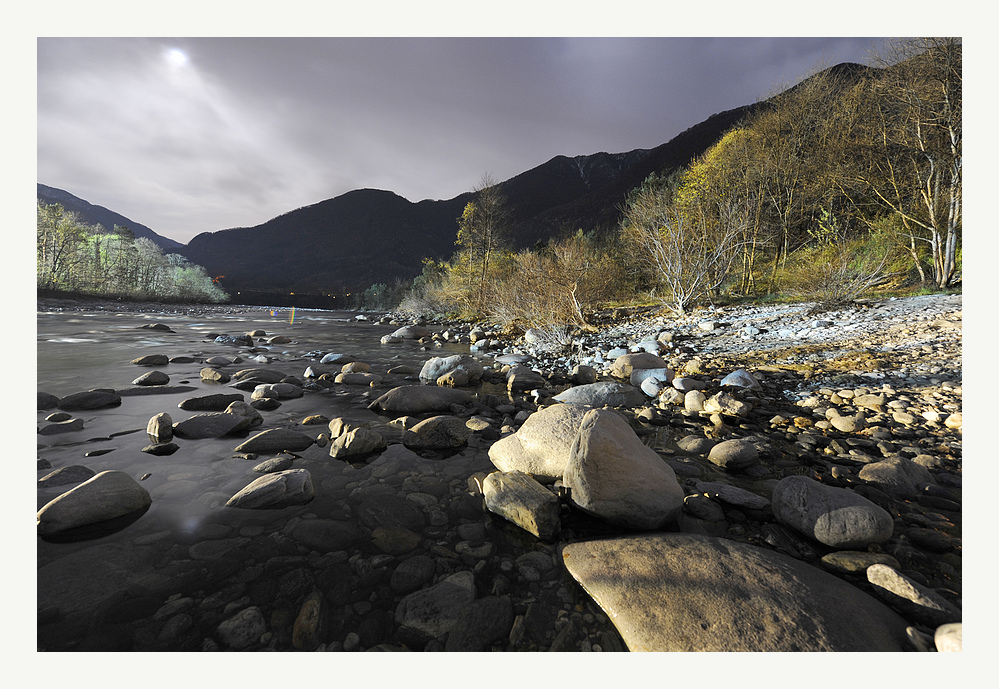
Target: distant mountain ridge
[[99, 215]]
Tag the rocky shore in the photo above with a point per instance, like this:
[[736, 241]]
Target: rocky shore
[[762, 478]]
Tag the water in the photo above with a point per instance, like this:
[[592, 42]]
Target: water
[[106, 589]]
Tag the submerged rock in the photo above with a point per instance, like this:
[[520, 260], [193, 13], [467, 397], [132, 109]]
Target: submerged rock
[[280, 489], [419, 399], [108, 495], [275, 440], [91, 399]]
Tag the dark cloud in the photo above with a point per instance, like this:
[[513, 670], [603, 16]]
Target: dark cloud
[[189, 135]]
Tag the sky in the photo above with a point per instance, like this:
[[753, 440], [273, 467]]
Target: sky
[[188, 135]]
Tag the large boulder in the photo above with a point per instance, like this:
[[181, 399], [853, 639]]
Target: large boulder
[[276, 440], [837, 517], [434, 611], [687, 592], [208, 425], [606, 393], [280, 489], [108, 495], [919, 603], [420, 399], [356, 442], [412, 332], [438, 366], [91, 399], [217, 402], [623, 366], [437, 433], [897, 476], [520, 499], [613, 475], [735, 454], [541, 446]]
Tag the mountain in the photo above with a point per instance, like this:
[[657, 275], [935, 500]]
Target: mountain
[[99, 215]]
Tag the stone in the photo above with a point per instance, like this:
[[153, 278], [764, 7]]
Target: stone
[[356, 442], [521, 500], [583, 375], [685, 385], [91, 399], [694, 400], [420, 399], [836, 517], [220, 361], [947, 638], [703, 507], [603, 394], [46, 400], [213, 375], [688, 592], [312, 622], [365, 379], [541, 445], [281, 391], [624, 365], [67, 426], [855, 561], [152, 378], [917, 602], [849, 424], [412, 332], [207, 425], [325, 535], [216, 402], [664, 376], [390, 339], [735, 454], [456, 378], [955, 422], [66, 475], [243, 629], [437, 433], [251, 418], [395, 540], [696, 444], [108, 495], [434, 610], [161, 449], [436, 367], [732, 495], [897, 476], [269, 466], [480, 624], [724, 403], [260, 375], [613, 475], [160, 428], [276, 440], [412, 573], [521, 378], [151, 360], [280, 489], [873, 402], [339, 425], [741, 378]]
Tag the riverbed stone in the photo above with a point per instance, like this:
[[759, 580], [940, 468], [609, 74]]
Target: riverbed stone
[[216, 402], [107, 495], [434, 611], [250, 417], [325, 535], [67, 475], [243, 629], [420, 399], [625, 364], [281, 391], [436, 367], [541, 445], [260, 375], [601, 394], [480, 624], [741, 378], [689, 592], [897, 476], [412, 573], [917, 602], [735, 454], [280, 489], [947, 638], [836, 517], [613, 475], [412, 332], [207, 425], [269, 466], [91, 399], [356, 442], [151, 360], [46, 400], [856, 561], [437, 433], [213, 375], [521, 500], [732, 495], [724, 403], [160, 428], [276, 440], [152, 378], [67, 426]]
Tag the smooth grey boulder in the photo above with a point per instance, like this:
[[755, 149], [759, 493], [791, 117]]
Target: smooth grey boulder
[[434, 610], [419, 399], [281, 391], [276, 440], [91, 399], [735, 454], [947, 638], [108, 495], [641, 377], [917, 602], [336, 358], [606, 393], [160, 428], [152, 378], [216, 402], [613, 475], [724, 403], [242, 629], [688, 592], [269, 466], [541, 445], [356, 442], [437, 433], [67, 426], [67, 475], [741, 378], [626, 363], [836, 517], [207, 425], [250, 416], [358, 378], [412, 332], [280, 489], [151, 360], [437, 366], [897, 476], [260, 375], [46, 400], [849, 424], [696, 444], [521, 500]]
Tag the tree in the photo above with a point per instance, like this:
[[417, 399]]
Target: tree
[[60, 237], [483, 230]]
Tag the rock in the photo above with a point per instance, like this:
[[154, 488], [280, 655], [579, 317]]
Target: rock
[[276, 440], [412, 332], [325, 535], [66, 475], [280, 489], [703, 507], [390, 339], [639, 376], [520, 379], [108, 495], [67, 426], [260, 375], [873, 402], [897, 476], [212, 375], [454, 379], [947, 638], [695, 444], [916, 602], [152, 378], [315, 420], [251, 418], [412, 574], [741, 378], [216, 402], [436, 367], [583, 375], [356, 442], [836, 517], [434, 611], [735, 454], [520, 499], [437, 433], [220, 361], [955, 422], [420, 399], [281, 391], [237, 340], [151, 360], [339, 425], [625, 364], [46, 400], [687, 592], [732, 495], [613, 475], [849, 424], [724, 403], [207, 425], [855, 561], [603, 394], [312, 622], [336, 358], [160, 449], [92, 399], [480, 624], [694, 400], [269, 466], [541, 446], [685, 385], [243, 629], [160, 428], [366, 379]]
